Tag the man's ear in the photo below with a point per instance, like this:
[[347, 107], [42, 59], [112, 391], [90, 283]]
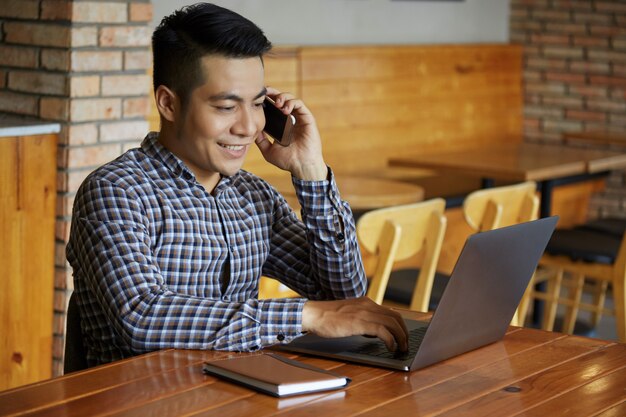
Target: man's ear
[[167, 103]]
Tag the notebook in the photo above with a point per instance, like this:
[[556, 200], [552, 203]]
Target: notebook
[[274, 374], [483, 292]]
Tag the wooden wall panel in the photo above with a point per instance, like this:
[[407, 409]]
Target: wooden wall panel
[[373, 103], [27, 213]]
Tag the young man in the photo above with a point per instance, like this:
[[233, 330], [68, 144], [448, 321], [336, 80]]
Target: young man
[[168, 242]]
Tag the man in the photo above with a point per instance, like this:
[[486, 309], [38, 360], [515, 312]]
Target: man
[[168, 242]]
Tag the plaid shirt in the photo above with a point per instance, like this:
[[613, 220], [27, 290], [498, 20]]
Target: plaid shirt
[[160, 263]]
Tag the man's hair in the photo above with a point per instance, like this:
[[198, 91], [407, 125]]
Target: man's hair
[[188, 34]]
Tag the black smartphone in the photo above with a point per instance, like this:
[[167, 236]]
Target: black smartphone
[[277, 124]]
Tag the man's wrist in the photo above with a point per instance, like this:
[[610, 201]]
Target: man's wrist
[[311, 172]]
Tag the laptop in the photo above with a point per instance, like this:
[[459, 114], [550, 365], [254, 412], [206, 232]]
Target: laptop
[[476, 308]]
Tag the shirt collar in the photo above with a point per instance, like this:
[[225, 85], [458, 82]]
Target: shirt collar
[[155, 149]]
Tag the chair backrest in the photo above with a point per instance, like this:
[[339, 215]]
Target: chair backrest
[[491, 208], [398, 233], [75, 354]]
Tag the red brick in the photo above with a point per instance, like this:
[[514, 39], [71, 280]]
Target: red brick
[[570, 28], [565, 77], [137, 60], [563, 52], [92, 156], [538, 3], [37, 34], [550, 15], [18, 103], [585, 115], [572, 4], [99, 12], [519, 13], [532, 124], [613, 56], [564, 101], [593, 17], [21, 9], [618, 119], [618, 93], [62, 230], [605, 80], [18, 56], [590, 67], [38, 82], [552, 39], [140, 12], [525, 25], [611, 6], [591, 41], [532, 75], [84, 110], [60, 277], [518, 37], [589, 90], [619, 43], [76, 177], [561, 125], [136, 107], [606, 30], [56, 10], [86, 86], [82, 134], [125, 85], [125, 36], [96, 61], [59, 254], [542, 112], [55, 59], [544, 63], [53, 108], [606, 105], [3, 78], [130, 145], [127, 130], [84, 36], [545, 88]]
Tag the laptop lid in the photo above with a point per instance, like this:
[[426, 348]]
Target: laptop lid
[[484, 290]]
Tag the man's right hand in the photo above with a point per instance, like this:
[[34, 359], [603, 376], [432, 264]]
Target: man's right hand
[[358, 316]]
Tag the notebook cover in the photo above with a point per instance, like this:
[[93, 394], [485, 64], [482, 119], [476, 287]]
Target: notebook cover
[[274, 374]]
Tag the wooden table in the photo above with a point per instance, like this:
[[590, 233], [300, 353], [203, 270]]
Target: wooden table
[[549, 165], [361, 193], [530, 371]]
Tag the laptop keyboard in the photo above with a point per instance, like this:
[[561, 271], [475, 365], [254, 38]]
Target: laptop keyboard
[[379, 349]]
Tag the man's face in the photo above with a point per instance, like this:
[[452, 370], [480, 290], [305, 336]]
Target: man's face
[[222, 118]]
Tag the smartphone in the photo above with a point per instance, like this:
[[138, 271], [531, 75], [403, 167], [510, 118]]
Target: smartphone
[[277, 124]]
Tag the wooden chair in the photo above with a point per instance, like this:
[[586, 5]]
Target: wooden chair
[[593, 257], [397, 233], [491, 208]]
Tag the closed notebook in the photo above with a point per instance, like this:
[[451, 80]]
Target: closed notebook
[[274, 374]]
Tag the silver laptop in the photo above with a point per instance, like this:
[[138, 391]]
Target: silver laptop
[[476, 308]]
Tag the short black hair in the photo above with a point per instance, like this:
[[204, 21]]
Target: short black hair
[[188, 34]]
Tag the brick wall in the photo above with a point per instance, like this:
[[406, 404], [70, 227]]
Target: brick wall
[[83, 64], [575, 75]]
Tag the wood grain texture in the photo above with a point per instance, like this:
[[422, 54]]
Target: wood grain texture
[[27, 213], [529, 372]]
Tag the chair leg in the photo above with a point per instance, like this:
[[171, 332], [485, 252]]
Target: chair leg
[[552, 300], [599, 297], [619, 299], [571, 311], [519, 319]]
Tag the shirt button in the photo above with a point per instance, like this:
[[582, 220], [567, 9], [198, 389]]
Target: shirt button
[[341, 237], [280, 337], [226, 298]]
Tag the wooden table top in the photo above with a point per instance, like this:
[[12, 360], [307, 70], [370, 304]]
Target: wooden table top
[[361, 193], [530, 371], [518, 161]]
